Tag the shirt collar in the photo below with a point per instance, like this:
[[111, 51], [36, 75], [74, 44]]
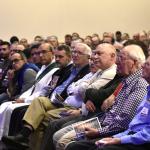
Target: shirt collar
[[79, 68], [131, 77]]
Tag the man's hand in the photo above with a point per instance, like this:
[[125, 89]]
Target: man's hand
[[74, 112], [107, 103], [10, 74], [91, 132], [90, 106], [19, 100], [108, 141]]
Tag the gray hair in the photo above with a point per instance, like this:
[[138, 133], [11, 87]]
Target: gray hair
[[87, 50], [136, 53]]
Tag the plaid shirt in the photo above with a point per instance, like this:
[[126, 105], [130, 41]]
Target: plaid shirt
[[119, 116]]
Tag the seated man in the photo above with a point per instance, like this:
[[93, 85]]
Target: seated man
[[136, 137], [22, 77], [122, 111], [22, 80]]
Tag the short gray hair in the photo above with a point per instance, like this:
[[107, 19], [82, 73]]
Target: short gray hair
[[135, 52], [86, 48]]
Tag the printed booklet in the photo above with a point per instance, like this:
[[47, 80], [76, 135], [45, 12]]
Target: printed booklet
[[80, 127]]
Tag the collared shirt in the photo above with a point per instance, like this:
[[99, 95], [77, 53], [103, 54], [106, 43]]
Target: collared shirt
[[91, 80], [39, 85], [74, 99], [126, 103], [140, 125]]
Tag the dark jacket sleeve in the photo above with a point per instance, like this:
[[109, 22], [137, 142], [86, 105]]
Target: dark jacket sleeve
[[98, 96], [85, 70]]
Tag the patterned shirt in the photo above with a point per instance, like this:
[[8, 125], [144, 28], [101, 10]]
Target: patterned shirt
[[139, 126], [126, 103]]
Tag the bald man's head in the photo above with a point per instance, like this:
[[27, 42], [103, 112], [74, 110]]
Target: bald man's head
[[105, 56]]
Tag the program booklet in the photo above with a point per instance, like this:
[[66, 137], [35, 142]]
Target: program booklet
[[80, 127]]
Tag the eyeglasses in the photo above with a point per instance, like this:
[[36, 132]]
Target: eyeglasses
[[43, 52], [124, 59], [75, 52], [4, 49], [16, 60], [40, 52], [35, 53], [15, 50]]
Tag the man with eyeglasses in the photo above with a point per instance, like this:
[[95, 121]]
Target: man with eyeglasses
[[22, 79], [44, 75], [24, 75]]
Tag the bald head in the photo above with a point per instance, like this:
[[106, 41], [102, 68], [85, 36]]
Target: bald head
[[108, 48], [105, 56]]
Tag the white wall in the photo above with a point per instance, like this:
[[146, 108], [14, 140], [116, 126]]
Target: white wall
[[27, 18]]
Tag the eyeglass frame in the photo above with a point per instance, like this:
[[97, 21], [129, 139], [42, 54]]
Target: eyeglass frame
[[75, 52], [15, 61]]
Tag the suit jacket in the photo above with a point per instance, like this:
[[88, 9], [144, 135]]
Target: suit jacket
[[85, 70], [97, 96], [59, 77]]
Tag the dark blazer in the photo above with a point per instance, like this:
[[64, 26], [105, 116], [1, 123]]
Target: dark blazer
[[97, 96], [61, 75], [85, 70]]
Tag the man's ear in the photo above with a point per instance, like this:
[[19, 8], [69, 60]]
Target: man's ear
[[89, 57], [136, 63], [113, 55]]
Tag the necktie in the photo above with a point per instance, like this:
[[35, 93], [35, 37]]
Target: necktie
[[118, 89]]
